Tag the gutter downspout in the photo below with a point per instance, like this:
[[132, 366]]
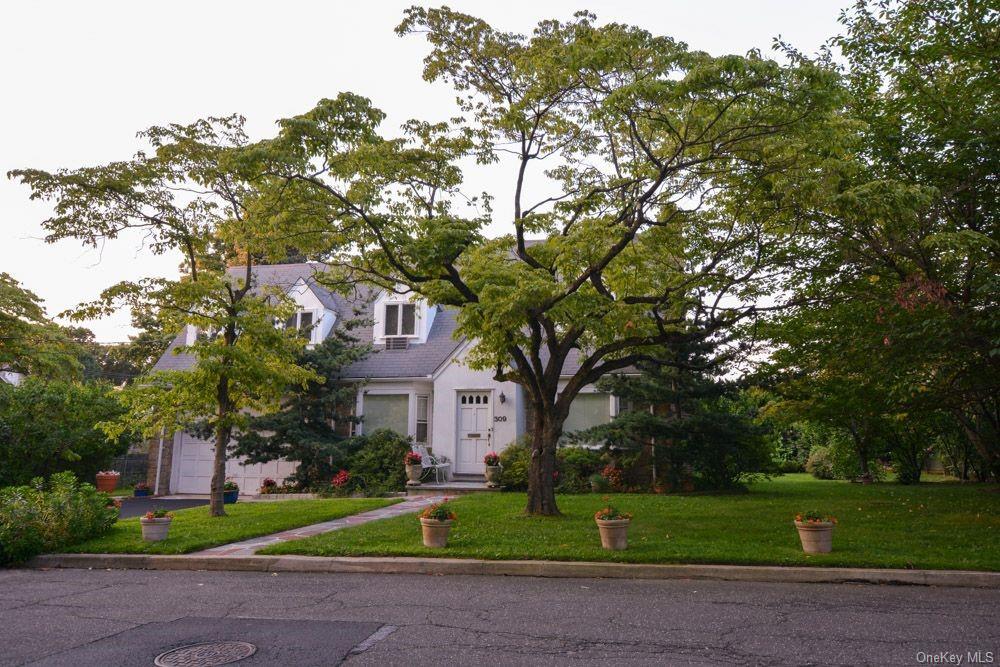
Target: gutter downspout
[[159, 460]]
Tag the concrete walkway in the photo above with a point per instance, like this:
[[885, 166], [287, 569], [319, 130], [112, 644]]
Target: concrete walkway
[[250, 547]]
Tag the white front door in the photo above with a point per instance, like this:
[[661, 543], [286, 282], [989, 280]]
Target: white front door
[[475, 430]]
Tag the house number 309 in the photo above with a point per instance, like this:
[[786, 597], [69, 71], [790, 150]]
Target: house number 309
[[500, 419]]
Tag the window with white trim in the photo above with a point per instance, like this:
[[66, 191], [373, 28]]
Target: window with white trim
[[302, 321], [400, 319], [423, 404]]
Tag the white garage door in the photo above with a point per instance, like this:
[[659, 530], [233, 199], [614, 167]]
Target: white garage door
[[194, 473]]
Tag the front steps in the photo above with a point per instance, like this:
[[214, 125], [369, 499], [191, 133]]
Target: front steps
[[459, 484]]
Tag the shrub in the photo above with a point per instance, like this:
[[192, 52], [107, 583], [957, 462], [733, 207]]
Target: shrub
[[47, 516], [50, 427], [575, 466], [820, 463], [516, 460], [377, 464], [790, 465]]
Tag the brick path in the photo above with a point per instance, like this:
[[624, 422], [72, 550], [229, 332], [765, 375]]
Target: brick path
[[249, 547]]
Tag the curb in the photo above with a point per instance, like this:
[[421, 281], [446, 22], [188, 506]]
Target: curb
[[523, 568]]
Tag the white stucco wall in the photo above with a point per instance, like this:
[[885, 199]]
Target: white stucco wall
[[508, 416]]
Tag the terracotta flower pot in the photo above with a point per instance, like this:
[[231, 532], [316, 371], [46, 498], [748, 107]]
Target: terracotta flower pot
[[154, 530], [107, 483], [614, 533], [435, 532], [816, 537], [413, 473], [493, 476]]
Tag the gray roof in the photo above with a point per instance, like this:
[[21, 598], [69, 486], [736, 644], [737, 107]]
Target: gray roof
[[419, 360]]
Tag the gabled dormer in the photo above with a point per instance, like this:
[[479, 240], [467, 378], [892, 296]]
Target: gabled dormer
[[401, 320], [311, 317]]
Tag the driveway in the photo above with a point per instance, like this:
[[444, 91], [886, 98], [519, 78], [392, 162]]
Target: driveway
[[127, 617], [132, 506]]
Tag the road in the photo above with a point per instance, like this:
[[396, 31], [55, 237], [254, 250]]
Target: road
[[83, 617]]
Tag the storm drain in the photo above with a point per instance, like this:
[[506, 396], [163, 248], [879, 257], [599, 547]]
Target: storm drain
[[207, 654]]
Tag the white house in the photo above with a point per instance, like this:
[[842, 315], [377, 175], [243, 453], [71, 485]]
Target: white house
[[415, 382]]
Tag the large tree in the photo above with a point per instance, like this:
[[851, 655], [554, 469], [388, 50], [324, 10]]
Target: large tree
[[30, 343], [905, 266], [193, 196], [674, 186]]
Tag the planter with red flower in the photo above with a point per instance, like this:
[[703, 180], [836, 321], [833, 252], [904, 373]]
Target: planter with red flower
[[141, 490], [613, 524], [815, 531], [435, 522], [107, 480], [414, 468], [493, 469], [230, 492], [155, 525]]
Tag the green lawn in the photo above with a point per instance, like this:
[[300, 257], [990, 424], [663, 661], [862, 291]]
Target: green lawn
[[193, 529], [936, 526]]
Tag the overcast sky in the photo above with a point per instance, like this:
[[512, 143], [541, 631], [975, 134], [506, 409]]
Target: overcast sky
[[80, 78]]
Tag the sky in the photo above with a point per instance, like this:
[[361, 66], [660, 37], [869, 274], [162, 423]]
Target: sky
[[78, 80]]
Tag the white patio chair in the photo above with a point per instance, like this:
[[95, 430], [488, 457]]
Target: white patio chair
[[438, 464]]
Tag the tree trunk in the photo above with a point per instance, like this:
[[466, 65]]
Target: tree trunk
[[545, 433], [223, 433]]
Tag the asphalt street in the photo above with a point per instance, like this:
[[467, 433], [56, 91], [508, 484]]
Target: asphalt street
[[85, 617]]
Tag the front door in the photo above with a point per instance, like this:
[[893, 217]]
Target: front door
[[475, 430]]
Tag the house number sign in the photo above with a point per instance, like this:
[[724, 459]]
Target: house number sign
[[501, 418]]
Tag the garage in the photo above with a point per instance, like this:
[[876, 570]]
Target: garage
[[192, 469]]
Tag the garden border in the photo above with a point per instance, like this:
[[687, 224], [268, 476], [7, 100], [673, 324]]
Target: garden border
[[524, 568]]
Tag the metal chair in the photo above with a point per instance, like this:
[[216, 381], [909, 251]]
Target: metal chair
[[439, 464]]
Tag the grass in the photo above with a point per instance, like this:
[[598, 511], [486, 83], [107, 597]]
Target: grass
[[193, 529], [933, 526]]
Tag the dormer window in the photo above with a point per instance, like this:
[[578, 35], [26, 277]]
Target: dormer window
[[302, 322], [400, 319]]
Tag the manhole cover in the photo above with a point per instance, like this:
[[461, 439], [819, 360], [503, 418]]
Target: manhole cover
[[207, 654]]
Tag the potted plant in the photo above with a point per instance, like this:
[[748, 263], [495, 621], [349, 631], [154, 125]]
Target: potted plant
[[493, 469], [268, 486], [155, 525], [230, 492], [107, 480], [141, 490], [612, 523], [815, 531], [435, 522], [414, 468]]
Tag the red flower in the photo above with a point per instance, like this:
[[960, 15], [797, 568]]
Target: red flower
[[341, 479]]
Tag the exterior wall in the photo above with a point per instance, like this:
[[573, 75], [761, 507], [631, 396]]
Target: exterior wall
[[455, 376]]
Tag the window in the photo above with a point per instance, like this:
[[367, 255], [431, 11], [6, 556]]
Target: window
[[400, 319], [386, 411], [588, 410], [422, 404], [301, 321]]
